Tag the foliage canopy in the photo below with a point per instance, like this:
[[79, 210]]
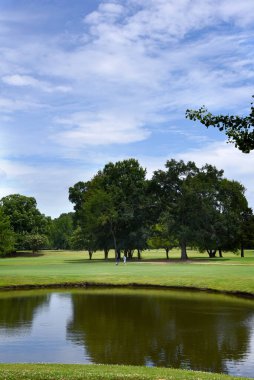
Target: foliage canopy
[[239, 129]]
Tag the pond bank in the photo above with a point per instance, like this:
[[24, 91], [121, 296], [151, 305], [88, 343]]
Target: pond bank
[[102, 372], [85, 284]]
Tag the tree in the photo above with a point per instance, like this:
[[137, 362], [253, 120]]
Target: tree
[[221, 204], [35, 242], [246, 230], [239, 130], [199, 207], [61, 230], [233, 207], [79, 241], [77, 195], [100, 217], [178, 202], [205, 185], [160, 238], [24, 217], [6, 234], [126, 183], [113, 204]]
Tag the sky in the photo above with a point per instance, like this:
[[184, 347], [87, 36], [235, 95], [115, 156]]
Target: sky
[[85, 82]]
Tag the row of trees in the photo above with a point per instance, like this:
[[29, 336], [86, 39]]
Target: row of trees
[[182, 205], [120, 209]]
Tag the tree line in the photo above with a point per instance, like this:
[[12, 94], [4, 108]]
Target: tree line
[[120, 209], [182, 205]]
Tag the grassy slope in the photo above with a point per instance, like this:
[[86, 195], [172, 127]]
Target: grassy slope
[[229, 274], [100, 372]]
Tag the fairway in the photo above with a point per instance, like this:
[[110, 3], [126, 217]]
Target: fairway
[[230, 274]]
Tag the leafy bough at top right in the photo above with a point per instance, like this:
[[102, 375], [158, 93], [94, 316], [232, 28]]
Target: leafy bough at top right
[[238, 129]]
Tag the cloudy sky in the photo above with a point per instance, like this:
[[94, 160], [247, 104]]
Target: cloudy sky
[[86, 82]]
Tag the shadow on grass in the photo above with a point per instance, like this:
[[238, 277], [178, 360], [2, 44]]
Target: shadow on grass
[[87, 261], [190, 260], [153, 260], [24, 254]]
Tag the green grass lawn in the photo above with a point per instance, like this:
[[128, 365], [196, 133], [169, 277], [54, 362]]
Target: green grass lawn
[[230, 274], [101, 372]]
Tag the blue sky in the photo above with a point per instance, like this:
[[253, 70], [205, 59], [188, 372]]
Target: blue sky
[[86, 82]]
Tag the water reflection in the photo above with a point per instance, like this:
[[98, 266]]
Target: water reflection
[[17, 311], [183, 331], [160, 328]]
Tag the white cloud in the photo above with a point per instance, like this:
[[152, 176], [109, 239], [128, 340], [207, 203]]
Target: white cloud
[[100, 129], [10, 169], [164, 20], [27, 80], [240, 12], [12, 104], [107, 12]]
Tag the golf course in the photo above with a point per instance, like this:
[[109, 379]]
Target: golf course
[[231, 274]]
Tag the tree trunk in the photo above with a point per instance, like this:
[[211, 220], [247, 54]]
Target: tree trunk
[[106, 253], [242, 250], [211, 253], [184, 255], [139, 254], [167, 251], [114, 240], [126, 252], [129, 254], [118, 254], [220, 252], [90, 254]]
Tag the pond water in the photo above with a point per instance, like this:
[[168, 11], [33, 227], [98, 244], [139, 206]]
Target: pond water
[[196, 331]]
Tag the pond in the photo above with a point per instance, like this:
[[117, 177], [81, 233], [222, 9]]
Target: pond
[[189, 330]]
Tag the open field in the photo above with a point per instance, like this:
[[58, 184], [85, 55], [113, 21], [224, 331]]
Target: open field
[[101, 372], [230, 274]]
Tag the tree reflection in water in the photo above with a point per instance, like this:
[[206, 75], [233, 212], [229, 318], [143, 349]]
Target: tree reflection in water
[[191, 331], [17, 311]]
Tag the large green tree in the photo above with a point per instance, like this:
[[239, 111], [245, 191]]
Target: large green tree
[[77, 195], [238, 129], [100, 219], [114, 203], [178, 202], [199, 207], [233, 205], [24, 216], [221, 205], [6, 234]]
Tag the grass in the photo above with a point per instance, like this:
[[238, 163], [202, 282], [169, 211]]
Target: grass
[[101, 372], [229, 274]]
